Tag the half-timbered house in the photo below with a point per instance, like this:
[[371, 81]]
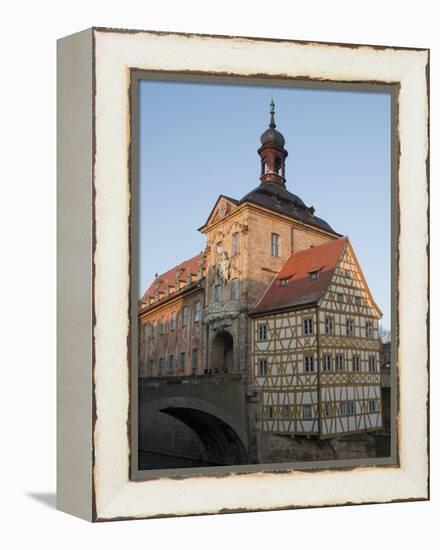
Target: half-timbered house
[[316, 346]]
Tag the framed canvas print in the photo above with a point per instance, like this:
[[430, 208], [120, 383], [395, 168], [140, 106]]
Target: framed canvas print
[[243, 274]]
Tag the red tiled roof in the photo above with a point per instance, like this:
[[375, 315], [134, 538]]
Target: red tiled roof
[[300, 289], [169, 277]]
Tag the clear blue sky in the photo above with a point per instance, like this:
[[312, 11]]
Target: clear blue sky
[[198, 141]]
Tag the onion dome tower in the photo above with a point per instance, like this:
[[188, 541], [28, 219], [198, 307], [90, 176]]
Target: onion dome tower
[[272, 153]]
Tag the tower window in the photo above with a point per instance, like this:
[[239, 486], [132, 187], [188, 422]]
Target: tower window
[[184, 316], [262, 367], [275, 244], [235, 244], [218, 293], [170, 363], [307, 412], [194, 359], [307, 326], [339, 363], [308, 363], [264, 167], [277, 165], [327, 363], [182, 361], [356, 363], [262, 332], [235, 289], [329, 325], [197, 310]]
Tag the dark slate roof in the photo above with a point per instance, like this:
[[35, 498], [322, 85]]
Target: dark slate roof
[[299, 289], [279, 199]]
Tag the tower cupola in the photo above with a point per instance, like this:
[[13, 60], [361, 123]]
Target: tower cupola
[[272, 153]]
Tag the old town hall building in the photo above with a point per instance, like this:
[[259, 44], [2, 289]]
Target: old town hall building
[[278, 297]]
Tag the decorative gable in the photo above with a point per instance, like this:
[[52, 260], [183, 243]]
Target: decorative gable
[[222, 208], [348, 291]]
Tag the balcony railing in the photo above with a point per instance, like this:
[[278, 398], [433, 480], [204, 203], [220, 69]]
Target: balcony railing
[[221, 310]]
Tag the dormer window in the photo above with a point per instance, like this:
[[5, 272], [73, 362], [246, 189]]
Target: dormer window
[[283, 282], [313, 275]]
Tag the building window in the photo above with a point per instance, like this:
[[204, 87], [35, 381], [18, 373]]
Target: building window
[[170, 363], [327, 363], [235, 289], [358, 300], [307, 412], [309, 365], [369, 329], [195, 359], [348, 407], [153, 328], [356, 363], [235, 244], [326, 409], [313, 275], [218, 293], [173, 320], [307, 326], [339, 363], [340, 297], [182, 361], [347, 274], [372, 406], [160, 370], [270, 413], [349, 325], [162, 325], [328, 325], [262, 367], [185, 316], [197, 311], [372, 363], [275, 244], [286, 412], [262, 332]]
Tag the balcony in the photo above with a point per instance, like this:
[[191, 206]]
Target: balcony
[[219, 311]]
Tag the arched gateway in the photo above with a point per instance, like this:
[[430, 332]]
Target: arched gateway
[[222, 350]]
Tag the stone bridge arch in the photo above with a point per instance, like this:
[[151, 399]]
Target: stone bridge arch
[[223, 438]]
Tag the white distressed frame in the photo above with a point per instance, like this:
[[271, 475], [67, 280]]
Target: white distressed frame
[[114, 495]]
